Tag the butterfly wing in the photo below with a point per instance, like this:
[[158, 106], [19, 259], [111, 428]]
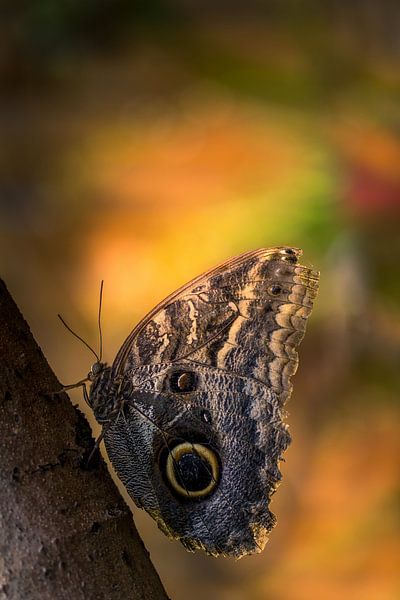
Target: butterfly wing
[[246, 316], [202, 380]]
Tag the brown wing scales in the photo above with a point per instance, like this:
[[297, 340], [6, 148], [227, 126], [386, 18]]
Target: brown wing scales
[[247, 316]]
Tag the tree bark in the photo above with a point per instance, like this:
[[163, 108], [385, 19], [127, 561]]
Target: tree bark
[[65, 532]]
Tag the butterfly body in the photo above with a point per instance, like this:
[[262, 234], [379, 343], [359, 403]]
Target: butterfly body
[[193, 403]]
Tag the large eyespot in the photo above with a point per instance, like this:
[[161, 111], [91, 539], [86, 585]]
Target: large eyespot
[[183, 381], [192, 470]]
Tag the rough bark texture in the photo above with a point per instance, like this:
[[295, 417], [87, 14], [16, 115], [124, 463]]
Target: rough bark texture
[[65, 532]]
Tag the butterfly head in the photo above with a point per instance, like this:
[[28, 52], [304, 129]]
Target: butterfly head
[[96, 369]]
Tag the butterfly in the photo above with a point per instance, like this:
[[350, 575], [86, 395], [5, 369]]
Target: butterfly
[[192, 407]]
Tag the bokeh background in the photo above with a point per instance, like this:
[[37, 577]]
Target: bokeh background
[[142, 143]]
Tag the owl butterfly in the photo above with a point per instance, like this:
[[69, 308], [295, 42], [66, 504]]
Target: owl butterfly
[[192, 407]]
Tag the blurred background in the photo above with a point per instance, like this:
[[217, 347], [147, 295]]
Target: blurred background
[[142, 143]]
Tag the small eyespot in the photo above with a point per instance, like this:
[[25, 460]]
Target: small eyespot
[[183, 381], [275, 289], [291, 259], [192, 470]]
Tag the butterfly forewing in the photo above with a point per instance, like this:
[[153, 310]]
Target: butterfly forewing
[[246, 316]]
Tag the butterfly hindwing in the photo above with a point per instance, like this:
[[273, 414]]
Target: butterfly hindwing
[[238, 419]]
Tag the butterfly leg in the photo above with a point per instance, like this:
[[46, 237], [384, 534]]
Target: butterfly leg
[[73, 386], [106, 425], [95, 447], [85, 394]]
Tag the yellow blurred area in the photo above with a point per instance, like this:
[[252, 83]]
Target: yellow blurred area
[[192, 136], [204, 179]]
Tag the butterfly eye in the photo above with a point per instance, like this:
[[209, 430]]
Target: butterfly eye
[[192, 470], [97, 367], [183, 381]]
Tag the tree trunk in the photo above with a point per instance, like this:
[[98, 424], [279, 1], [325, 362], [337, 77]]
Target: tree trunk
[[65, 532]]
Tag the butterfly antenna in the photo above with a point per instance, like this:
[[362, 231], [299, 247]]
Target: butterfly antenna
[[99, 322], [78, 337]]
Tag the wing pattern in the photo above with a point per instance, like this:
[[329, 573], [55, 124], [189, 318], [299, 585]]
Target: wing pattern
[[247, 317]]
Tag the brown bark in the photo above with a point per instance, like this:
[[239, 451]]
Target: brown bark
[[65, 532]]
